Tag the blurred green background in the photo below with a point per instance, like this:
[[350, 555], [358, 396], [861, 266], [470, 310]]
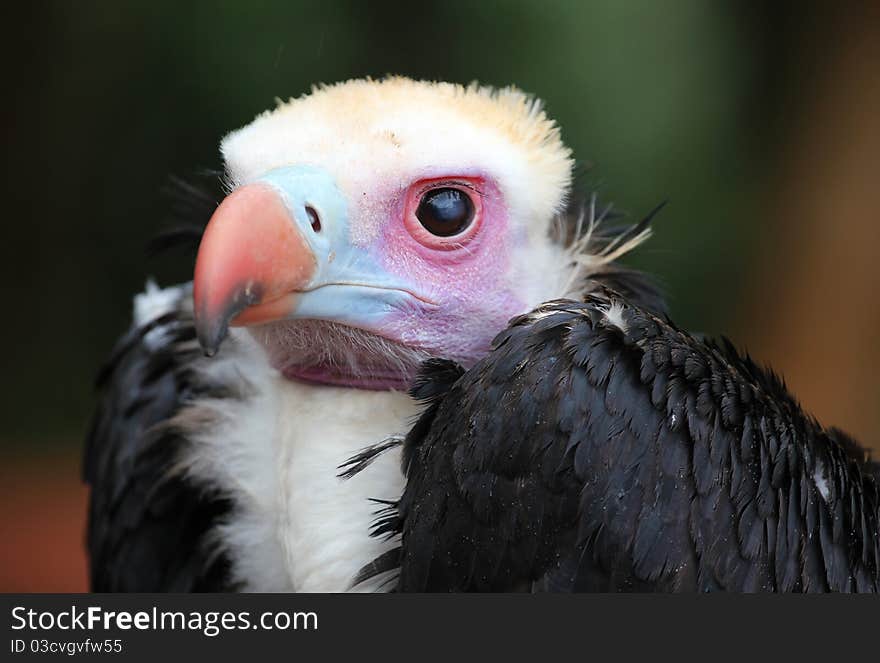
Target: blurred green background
[[712, 106]]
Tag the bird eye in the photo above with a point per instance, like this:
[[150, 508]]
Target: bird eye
[[445, 211]]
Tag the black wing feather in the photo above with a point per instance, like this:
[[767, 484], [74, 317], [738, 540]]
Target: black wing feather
[[587, 455], [147, 523]]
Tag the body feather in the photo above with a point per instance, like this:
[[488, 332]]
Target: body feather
[[598, 452]]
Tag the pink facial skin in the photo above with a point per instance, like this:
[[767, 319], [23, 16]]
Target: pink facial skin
[[378, 379], [465, 275]]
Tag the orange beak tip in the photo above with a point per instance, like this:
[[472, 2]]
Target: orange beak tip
[[251, 261]]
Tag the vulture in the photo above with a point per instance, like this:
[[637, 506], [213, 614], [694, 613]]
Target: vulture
[[407, 361]]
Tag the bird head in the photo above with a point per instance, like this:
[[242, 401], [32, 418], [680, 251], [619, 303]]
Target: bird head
[[372, 224]]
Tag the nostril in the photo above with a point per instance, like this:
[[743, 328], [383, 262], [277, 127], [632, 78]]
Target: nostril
[[314, 219]]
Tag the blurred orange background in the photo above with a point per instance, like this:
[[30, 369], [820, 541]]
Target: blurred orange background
[[760, 122]]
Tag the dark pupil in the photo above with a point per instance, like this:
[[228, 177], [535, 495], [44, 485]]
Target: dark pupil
[[445, 212]]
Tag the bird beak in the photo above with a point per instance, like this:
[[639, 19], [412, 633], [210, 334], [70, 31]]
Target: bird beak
[[253, 263], [280, 247]]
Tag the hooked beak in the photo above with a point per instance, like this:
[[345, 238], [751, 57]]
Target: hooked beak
[[280, 248], [253, 263]]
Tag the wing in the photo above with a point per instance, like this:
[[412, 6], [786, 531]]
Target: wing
[[147, 524], [600, 448]]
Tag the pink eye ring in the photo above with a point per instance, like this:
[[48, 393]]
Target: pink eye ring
[[443, 214]]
